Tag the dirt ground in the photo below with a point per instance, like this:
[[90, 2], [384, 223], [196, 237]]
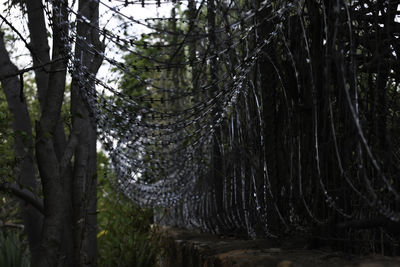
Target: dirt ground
[[191, 249]]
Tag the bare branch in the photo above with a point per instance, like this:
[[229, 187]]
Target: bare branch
[[11, 225], [22, 71], [18, 33], [24, 194]]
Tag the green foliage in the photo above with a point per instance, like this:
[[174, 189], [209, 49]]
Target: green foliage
[[9, 165], [126, 237], [6, 139], [12, 252], [7, 160]]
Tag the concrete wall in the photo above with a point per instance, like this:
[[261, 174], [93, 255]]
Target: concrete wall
[[190, 249]]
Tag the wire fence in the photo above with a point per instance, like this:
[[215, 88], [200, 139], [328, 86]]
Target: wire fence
[[255, 119]]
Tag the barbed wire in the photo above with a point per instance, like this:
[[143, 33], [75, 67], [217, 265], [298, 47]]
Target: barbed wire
[[249, 117]]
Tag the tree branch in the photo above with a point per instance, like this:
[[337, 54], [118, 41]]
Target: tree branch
[[11, 225], [22, 71], [18, 33], [24, 194]]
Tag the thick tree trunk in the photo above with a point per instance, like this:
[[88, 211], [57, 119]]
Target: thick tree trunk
[[23, 143], [85, 178], [48, 162], [40, 54], [39, 47]]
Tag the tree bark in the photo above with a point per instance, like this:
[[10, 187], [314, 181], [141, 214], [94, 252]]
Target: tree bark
[[39, 45], [84, 185], [23, 144], [40, 54], [39, 48], [47, 159]]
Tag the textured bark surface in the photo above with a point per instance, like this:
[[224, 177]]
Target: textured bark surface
[[39, 47], [23, 144], [66, 216], [84, 184], [40, 53], [48, 162]]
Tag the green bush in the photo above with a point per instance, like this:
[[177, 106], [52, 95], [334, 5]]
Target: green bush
[[125, 236], [12, 251]]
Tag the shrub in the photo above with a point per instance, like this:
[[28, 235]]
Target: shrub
[[12, 252]]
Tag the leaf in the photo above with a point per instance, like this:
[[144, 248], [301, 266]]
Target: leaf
[[101, 233]]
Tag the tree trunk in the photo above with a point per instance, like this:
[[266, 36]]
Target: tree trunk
[[49, 165], [84, 186], [51, 241], [23, 144], [40, 54]]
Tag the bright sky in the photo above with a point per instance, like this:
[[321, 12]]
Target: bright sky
[[107, 18], [112, 23], [20, 55]]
